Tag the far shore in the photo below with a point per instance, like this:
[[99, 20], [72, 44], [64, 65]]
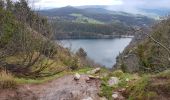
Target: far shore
[[95, 37]]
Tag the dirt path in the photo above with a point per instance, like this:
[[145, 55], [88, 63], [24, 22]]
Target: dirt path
[[64, 88]]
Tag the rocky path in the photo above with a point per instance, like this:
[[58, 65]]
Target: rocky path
[[64, 88]]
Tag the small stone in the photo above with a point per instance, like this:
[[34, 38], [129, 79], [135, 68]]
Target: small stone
[[115, 95], [122, 90], [94, 71], [103, 98], [127, 80], [98, 77], [87, 79], [127, 86], [88, 98], [169, 59], [75, 94], [113, 81], [76, 76], [92, 77]]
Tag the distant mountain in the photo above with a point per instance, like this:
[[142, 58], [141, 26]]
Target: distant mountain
[[159, 12], [150, 12], [93, 22], [95, 14], [64, 11]]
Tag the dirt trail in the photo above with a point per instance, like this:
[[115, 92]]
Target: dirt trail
[[64, 88]]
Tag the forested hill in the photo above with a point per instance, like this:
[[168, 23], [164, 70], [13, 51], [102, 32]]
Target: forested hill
[[70, 13], [71, 22]]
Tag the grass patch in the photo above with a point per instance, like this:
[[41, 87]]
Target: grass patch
[[7, 80], [50, 78], [139, 90], [106, 91], [83, 70], [165, 74]]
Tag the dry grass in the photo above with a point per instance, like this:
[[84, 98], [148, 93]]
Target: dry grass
[[6, 80]]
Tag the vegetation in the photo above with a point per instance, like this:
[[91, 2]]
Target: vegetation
[[85, 30], [137, 87], [151, 52], [70, 22], [27, 52], [7, 80], [29, 55]]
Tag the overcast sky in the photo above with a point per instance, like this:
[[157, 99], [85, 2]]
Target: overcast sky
[[128, 4], [62, 3]]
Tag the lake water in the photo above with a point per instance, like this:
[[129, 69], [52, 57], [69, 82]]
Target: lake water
[[102, 51]]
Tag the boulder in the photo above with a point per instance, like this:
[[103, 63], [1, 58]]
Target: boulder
[[113, 81], [76, 76]]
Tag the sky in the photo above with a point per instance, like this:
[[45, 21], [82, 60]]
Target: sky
[[128, 4], [131, 6], [62, 3]]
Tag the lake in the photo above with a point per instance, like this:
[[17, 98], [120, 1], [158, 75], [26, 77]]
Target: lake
[[102, 51]]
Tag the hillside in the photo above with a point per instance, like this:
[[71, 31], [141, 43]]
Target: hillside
[[27, 51], [66, 22], [69, 13], [149, 50], [34, 67]]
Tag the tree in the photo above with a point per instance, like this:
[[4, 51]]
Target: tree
[[81, 53], [9, 5], [2, 4]]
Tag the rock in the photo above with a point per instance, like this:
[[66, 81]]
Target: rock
[[75, 94], [127, 80], [169, 59], [88, 98], [127, 86], [103, 98], [94, 71], [115, 95], [87, 79], [113, 81], [93, 77], [122, 90], [77, 76]]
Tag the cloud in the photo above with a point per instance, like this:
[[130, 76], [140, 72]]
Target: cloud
[[61, 3], [136, 6]]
